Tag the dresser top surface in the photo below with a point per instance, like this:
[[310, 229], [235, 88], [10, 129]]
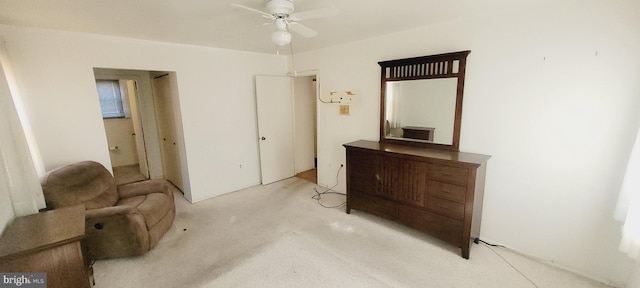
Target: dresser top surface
[[418, 128], [42, 230], [461, 157]]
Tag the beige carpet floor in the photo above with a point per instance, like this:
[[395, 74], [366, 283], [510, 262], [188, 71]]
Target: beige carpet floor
[[277, 236]]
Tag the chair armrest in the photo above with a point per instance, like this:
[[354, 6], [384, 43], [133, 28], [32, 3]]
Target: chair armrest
[[117, 231], [110, 211], [144, 188]]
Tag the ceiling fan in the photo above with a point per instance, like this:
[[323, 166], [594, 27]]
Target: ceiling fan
[[281, 12]]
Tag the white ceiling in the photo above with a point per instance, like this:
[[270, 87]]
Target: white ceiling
[[217, 24]]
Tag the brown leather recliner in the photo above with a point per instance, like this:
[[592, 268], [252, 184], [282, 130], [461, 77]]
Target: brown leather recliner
[[121, 221]]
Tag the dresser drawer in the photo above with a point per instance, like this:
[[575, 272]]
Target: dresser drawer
[[362, 158], [447, 191], [448, 174], [445, 228], [374, 205], [446, 207]]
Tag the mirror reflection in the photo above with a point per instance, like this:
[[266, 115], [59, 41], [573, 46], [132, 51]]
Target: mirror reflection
[[421, 110]]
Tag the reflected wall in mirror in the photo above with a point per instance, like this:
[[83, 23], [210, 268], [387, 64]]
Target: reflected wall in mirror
[[421, 100], [421, 110]]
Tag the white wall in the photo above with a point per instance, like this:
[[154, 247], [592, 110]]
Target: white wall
[[552, 93], [634, 280], [216, 88], [428, 103]]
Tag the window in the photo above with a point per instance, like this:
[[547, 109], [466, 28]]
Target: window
[[110, 99]]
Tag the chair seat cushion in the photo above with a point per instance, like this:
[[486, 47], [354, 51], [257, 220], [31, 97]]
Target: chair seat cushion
[[153, 206]]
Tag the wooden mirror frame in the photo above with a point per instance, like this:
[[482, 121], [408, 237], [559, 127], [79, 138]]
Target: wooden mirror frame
[[425, 67]]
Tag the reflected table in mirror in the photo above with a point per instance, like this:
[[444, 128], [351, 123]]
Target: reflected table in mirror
[[421, 133]]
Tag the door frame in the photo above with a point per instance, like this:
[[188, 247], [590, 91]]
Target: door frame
[[137, 79], [313, 101], [309, 73], [313, 73]]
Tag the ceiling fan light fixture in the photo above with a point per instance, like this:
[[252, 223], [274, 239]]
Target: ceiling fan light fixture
[[281, 37], [280, 6], [285, 20]]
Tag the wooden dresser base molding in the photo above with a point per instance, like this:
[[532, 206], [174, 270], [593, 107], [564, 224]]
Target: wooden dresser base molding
[[435, 191]]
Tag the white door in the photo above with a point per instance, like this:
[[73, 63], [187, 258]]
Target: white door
[[162, 91], [132, 90], [274, 96]]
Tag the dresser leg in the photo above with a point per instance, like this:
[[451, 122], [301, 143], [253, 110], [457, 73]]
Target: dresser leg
[[465, 251]]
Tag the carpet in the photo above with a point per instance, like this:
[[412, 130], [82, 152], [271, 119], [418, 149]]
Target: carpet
[[278, 236], [295, 261]]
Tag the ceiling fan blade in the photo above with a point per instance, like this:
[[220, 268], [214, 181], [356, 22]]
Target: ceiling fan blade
[[302, 30], [264, 14], [316, 13]]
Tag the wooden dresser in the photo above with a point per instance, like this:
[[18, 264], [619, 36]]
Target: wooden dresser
[[435, 191], [47, 242]]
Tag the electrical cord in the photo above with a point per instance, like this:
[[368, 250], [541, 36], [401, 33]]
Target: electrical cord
[[293, 60], [477, 241], [491, 246], [318, 196], [323, 101]]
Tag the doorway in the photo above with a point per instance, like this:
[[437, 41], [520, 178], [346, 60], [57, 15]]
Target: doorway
[[145, 123], [286, 108], [305, 122], [121, 117]]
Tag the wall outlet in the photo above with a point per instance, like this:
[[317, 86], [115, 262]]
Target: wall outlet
[[334, 97], [341, 97], [344, 109], [348, 97]]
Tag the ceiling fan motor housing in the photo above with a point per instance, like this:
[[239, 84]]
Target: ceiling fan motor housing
[[280, 6]]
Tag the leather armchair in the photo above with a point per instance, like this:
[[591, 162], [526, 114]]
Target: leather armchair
[[121, 221]]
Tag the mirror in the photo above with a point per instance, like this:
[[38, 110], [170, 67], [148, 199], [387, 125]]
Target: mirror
[[421, 100], [421, 110]]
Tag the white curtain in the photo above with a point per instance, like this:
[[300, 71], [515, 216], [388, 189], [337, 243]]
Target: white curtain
[[18, 172], [628, 208]]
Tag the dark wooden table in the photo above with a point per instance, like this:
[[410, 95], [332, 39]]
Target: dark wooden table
[[422, 133], [47, 242]]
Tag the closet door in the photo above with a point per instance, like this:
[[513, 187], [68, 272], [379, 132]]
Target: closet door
[[164, 93]]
